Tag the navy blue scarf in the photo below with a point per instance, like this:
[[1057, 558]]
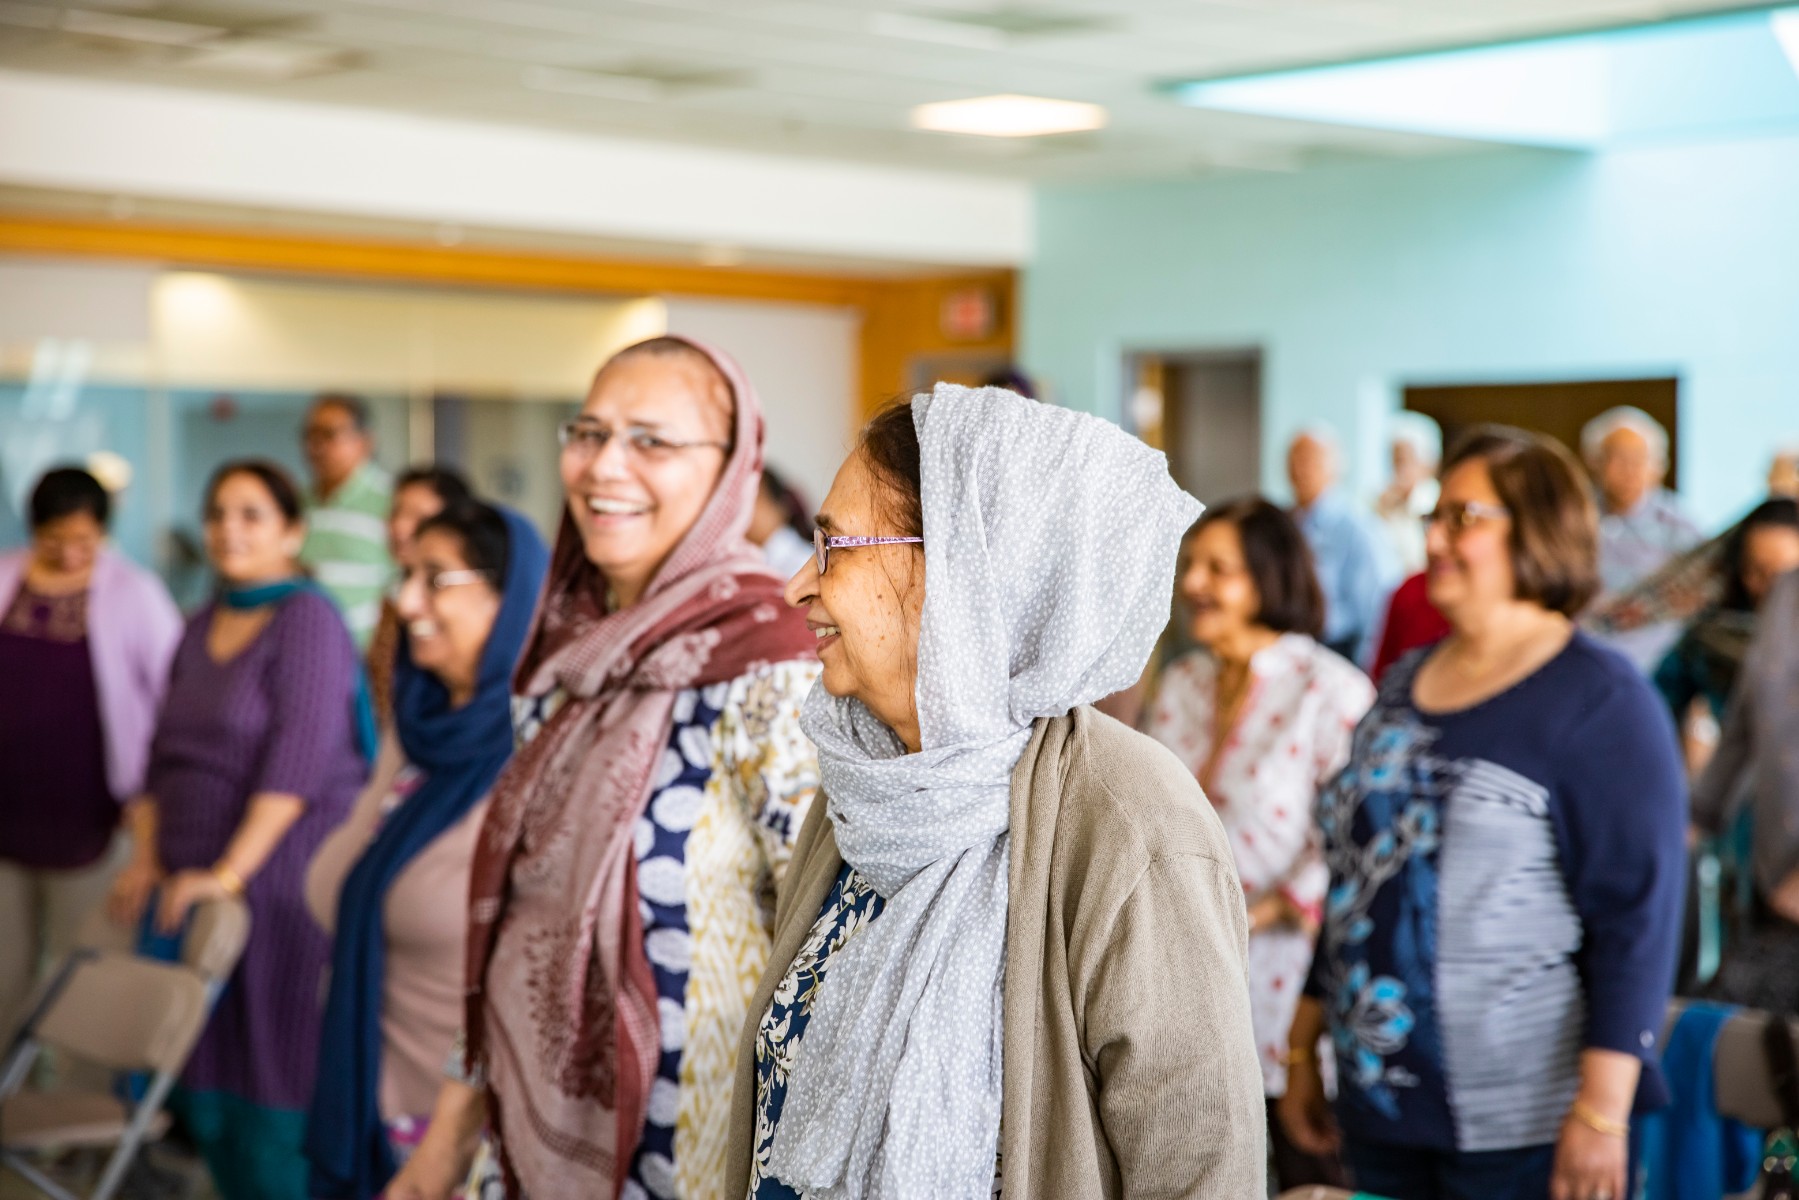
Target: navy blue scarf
[[460, 752], [362, 710]]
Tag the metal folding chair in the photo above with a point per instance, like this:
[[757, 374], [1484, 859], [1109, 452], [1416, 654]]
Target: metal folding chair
[[116, 1010]]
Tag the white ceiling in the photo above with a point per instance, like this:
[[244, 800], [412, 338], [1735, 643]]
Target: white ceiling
[[831, 78]]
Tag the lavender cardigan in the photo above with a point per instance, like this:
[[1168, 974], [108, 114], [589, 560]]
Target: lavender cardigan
[[133, 628]]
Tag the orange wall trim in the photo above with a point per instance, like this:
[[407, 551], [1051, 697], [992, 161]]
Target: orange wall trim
[[901, 322]]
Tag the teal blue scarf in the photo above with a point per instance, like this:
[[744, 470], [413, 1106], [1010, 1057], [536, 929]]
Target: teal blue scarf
[[362, 709]]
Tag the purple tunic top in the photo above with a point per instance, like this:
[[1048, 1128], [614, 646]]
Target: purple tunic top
[[275, 718], [56, 811]]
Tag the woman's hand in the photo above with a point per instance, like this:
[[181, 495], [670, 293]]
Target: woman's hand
[[1276, 910], [442, 1159], [184, 890], [429, 1174], [1589, 1165], [1784, 898], [1305, 1113], [131, 890]]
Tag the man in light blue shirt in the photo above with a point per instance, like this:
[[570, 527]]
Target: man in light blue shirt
[[1641, 525], [1355, 571]]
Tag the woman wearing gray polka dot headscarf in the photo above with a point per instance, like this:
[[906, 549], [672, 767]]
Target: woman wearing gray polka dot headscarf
[[1010, 954]]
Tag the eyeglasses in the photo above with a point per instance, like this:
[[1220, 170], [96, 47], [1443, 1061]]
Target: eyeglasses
[[438, 581], [584, 439], [1460, 516], [823, 544]]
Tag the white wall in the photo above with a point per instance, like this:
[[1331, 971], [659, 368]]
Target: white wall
[[214, 330], [803, 361], [202, 146], [52, 298]]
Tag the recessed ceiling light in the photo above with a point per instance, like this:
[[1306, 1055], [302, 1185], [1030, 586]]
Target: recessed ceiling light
[[1009, 116]]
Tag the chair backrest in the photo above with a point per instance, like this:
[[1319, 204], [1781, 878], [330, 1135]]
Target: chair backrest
[[215, 937], [127, 1013], [1744, 1076], [215, 940]]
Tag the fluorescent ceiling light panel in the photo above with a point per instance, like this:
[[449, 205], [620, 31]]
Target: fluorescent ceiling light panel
[[1785, 24], [1009, 116], [1691, 78]]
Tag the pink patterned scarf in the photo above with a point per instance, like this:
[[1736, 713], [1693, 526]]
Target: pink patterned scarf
[[561, 1002]]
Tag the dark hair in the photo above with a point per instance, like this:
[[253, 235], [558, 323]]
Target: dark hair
[[446, 483], [1555, 525], [890, 442], [1279, 563], [785, 496], [482, 532], [271, 475], [355, 406], [1013, 380], [65, 491], [1781, 512]]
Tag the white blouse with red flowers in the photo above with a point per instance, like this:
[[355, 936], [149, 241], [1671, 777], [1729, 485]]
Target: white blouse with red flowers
[[1292, 735]]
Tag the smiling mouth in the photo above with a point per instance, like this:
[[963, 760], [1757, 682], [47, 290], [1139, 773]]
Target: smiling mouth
[[602, 507], [821, 632], [422, 629]]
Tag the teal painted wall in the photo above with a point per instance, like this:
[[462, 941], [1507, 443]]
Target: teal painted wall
[[1357, 279]]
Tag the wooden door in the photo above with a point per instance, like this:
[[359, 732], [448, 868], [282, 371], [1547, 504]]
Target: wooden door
[[1557, 409]]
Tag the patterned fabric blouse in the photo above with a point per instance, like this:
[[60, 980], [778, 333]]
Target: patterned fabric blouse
[[850, 908], [1505, 892], [729, 797], [1291, 736]]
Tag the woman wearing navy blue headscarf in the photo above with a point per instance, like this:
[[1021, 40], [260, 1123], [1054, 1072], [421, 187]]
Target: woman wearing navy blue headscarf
[[393, 880]]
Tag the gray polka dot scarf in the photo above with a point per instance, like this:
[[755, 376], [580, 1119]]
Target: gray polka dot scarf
[[1050, 543]]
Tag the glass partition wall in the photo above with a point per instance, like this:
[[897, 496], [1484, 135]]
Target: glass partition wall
[[229, 364]]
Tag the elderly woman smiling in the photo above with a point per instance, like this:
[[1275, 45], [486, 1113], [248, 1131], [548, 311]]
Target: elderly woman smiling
[[621, 886], [998, 866]]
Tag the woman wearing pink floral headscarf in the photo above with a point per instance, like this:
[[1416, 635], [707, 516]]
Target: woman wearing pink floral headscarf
[[622, 888]]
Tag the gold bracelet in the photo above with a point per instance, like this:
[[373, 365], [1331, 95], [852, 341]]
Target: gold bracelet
[[230, 880], [1592, 1118], [1293, 1058]]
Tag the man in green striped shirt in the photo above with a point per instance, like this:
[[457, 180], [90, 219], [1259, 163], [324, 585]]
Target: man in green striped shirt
[[346, 511]]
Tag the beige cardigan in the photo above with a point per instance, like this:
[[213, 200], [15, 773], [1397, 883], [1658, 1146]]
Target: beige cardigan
[[1130, 1066]]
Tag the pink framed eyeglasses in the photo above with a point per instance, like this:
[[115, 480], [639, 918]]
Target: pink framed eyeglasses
[[823, 544]]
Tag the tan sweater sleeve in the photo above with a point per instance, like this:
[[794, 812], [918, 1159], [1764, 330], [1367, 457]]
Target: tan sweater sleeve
[[1168, 1030]]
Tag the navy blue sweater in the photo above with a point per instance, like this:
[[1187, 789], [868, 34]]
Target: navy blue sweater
[[1506, 888]]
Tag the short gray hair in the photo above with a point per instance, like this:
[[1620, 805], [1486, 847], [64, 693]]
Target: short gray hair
[[1324, 435], [1420, 432], [1594, 432]]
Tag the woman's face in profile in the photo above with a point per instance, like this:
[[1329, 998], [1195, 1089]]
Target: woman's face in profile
[[865, 608], [1216, 584]]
